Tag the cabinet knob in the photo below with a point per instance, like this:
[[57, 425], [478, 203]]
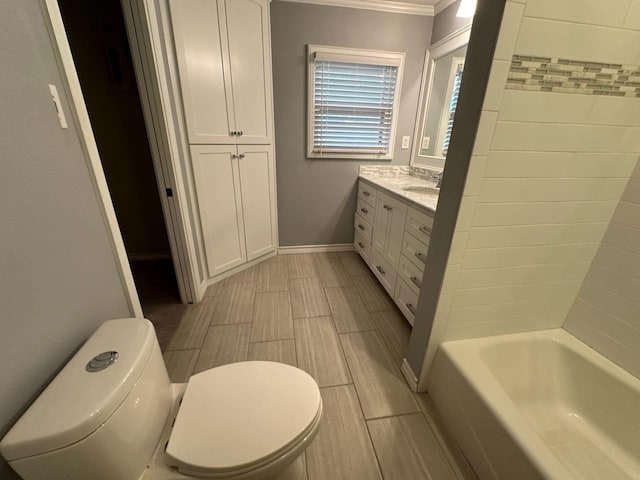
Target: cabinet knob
[[387, 207], [416, 282], [411, 308], [420, 256], [364, 210], [233, 133], [233, 155], [380, 269], [240, 133], [241, 155], [366, 194], [424, 230], [360, 226], [361, 245]]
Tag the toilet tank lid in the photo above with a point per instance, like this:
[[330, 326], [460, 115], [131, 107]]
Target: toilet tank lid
[[79, 401]]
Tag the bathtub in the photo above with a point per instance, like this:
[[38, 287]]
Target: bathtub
[[539, 405]]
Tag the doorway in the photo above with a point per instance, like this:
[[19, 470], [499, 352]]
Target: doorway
[[100, 49]]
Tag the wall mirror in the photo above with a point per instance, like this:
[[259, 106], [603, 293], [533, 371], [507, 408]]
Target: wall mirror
[[441, 79]]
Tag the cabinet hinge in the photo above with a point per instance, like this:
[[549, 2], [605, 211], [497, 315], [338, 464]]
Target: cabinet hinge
[[169, 192]]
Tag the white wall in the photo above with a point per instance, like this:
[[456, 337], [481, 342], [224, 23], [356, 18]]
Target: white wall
[[59, 278], [547, 172]]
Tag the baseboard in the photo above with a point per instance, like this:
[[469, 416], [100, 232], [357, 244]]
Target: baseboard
[[335, 247], [210, 281], [137, 257], [409, 376]]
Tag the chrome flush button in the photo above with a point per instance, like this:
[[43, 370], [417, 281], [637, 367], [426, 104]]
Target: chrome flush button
[[102, 361]]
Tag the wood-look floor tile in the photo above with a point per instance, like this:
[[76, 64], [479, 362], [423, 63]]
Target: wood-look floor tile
[[395, 331], [235, 304], [381, 388], [273, 277], [373, 294], [407, 448], [224, 344], [457, 459], [342, 449], [193, 325], [308, 298], [353, 263], [283, 351], [215, 289], [302, 265], [248, 275], [180, 364], [331, 271], [319, 352], [272, 317], [348, 310]]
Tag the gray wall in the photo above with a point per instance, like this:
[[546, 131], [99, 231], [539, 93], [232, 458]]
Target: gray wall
[[59, 278], [317, 198], [446, 22]]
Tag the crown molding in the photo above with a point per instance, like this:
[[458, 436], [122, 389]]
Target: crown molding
[[378, 5], [442, 4]]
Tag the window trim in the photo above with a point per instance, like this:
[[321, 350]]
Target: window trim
[[390, 58], [444, 116]]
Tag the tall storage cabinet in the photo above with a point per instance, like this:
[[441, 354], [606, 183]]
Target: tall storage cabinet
[[224, 67]]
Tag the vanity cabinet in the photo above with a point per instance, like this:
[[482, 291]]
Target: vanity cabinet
[[224, 65], [393, 239]]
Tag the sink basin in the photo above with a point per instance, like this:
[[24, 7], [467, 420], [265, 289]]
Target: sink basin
[[422, 189]]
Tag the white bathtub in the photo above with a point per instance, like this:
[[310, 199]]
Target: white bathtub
[[539, 405]]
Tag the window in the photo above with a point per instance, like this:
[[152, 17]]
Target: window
[[453, 91], [353, 102]]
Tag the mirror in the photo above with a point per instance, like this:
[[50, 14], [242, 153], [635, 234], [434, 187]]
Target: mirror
[[442, 76]]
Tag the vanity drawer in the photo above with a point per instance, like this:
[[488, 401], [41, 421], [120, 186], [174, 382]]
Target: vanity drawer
[[361, 245], [407, 300], [366, 210], [384, 272], [367, 193], [363, 227], [418, 224], [411, 274], [414, 250]]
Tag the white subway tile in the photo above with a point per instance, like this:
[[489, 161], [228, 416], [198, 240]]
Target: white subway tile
[[528, 164], [450, 279], [623, 111], [583, 232], [458, 244], [510, 190], [633, 16], [549, 38], [523, 106], [610, 13], [622, 260], [512, 275], [614, 165], [576, 271], [466, 213], [632, 192], [627, 214], [508, 31], [474, 176], [484, 135], [624, 237], [496, 85]]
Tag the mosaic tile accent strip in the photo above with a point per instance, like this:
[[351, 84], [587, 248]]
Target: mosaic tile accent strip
[[425, 173], [385, 170], [540, 74]]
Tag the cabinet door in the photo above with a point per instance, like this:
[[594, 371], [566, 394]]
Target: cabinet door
[[200, 38], [397, 212], [250, 52], [258, 198], [217, 180], [381, 223]]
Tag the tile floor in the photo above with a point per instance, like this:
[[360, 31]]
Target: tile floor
[[327, 314]]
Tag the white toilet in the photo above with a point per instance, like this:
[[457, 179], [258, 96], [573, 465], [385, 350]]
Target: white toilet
[[112, 414]]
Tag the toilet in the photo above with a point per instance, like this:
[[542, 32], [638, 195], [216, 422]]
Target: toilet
[[113, 414]]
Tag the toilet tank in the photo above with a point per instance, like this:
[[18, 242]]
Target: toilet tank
[[102, 416]]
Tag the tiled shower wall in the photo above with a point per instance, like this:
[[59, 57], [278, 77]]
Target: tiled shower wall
[[547, 172], [606, 313]]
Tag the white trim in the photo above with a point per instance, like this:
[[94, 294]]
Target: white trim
[[334, 247], [85, 133], [377, 5], [442, 47], [409, 376], [442, 5]]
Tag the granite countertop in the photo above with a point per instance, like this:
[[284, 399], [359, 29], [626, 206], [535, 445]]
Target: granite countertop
[[401, 185]]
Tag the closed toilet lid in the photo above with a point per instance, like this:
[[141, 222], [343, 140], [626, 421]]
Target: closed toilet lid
[[241, 414]]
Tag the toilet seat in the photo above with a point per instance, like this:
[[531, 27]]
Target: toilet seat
[[240, 417]]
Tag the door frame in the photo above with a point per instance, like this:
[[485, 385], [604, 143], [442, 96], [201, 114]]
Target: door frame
[[176, 220]]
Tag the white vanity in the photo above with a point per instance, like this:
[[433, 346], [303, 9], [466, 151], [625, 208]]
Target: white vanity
[[393, 221]]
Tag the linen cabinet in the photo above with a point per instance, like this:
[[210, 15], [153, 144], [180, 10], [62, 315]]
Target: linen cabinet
[[223, 55]]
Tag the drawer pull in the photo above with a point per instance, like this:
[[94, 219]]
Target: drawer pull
[[361, 227], [416, 281], [411, 308], [420, 256], [387, 207], [424, 230], [364, 210], [381, 270], [361, 245], [365, 193]]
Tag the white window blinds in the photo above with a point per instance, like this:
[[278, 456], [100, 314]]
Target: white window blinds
[[453, 103], [354, 99]]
